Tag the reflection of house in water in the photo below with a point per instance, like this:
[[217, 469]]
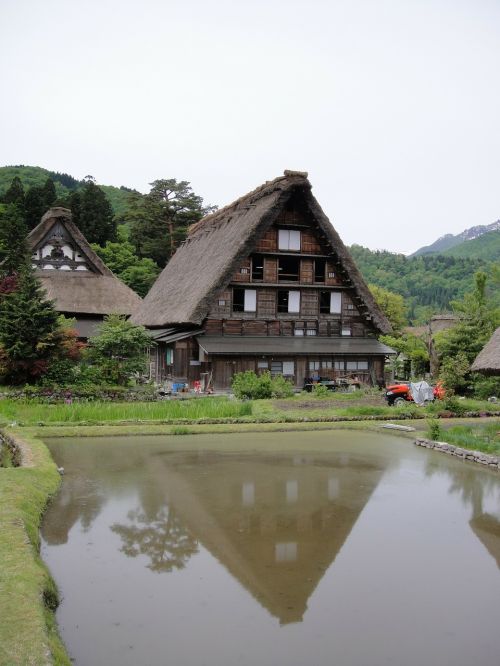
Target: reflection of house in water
[[473, 485], [276, 523], [487, 529]]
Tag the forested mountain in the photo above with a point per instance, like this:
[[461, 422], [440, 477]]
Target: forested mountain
[[447, 242], [32, 176], [428, 283], [485, 247]]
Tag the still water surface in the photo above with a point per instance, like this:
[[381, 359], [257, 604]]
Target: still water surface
[[338, 548]]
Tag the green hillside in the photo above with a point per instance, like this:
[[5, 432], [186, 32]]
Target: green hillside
[[486, 247], [32, 176], [428, 283]]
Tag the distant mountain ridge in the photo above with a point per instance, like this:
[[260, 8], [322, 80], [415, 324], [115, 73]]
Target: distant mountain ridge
[[449, 241]]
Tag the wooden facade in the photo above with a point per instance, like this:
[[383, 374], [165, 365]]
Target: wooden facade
[[292, 298]]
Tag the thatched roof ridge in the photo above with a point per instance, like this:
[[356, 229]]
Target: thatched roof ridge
[[95, 292], [488, 360], [206, 261]]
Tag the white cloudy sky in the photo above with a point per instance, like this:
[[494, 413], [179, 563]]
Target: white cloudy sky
[[392, 106]]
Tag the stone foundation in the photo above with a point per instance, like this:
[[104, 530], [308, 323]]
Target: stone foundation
[[493, 462]]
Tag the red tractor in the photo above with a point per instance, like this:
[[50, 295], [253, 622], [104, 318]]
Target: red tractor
[[398, 394]]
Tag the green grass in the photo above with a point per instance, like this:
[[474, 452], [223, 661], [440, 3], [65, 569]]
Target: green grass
[[28, 633], [30, 412], [481, 437]]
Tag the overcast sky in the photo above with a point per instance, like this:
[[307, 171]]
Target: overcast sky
[[392, 106]]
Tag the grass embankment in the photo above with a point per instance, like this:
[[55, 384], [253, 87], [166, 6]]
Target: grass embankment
[[28, 596], [484, 437], [300, 408], [32, 412]]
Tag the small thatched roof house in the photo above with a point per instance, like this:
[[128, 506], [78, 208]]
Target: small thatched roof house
[[488, 360], [72, 274], [264, 283]]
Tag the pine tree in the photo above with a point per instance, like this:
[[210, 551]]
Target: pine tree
[[160, 219], [28, 330]]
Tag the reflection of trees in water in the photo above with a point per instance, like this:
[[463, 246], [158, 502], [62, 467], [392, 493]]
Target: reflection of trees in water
[[472, 485], [161, 537], [78, 500]]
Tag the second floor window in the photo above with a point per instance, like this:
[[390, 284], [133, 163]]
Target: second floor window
[[330, 302], [288, 269], [289, 301], [289, 239], [244, 300]]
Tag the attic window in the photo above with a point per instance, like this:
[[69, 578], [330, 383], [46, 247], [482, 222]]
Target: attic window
[[257, 267], [289, 239], [319, 270]]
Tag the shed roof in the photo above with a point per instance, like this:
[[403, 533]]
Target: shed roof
[[96, 291], [282, 345], [488, 360], [206, 261]]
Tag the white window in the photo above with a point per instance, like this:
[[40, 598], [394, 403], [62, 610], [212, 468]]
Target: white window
[[244, 271], [311, 331], [335, 302], [250, 300], [313, 365], [326, 364], [299, 332], [362, 365], [294, 301], [288, 239], [248, 494], [288, 368], [346, 331], [222, 301], [285, 551], [262, 365]]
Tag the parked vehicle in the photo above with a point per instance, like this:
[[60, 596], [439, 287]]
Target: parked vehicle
[[398, 394], [331, 384]]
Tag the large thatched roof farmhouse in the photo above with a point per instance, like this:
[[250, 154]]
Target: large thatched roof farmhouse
[[488, 360], [72, 274], [264, 284]]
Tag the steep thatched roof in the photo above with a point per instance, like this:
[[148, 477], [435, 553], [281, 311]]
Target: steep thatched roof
[[206, 261], [488, 360], [94, 290]]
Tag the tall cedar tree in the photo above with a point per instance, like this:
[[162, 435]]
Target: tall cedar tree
[[13, 248], [160, 220], [37, 202], [92, 213], [15, 193]]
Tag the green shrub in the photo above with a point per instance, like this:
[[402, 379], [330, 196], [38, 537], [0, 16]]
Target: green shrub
[[320, 391], [452, 404], [485, 387], [251, 386], [433, 429], [281, 387]]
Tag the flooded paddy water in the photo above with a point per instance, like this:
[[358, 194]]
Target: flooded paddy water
[[337, 547]]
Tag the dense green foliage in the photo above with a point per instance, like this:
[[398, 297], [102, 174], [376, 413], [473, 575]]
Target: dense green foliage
[[159, 220], [457, 347], [120, 257], [427, 283], [92, 213], [392, 305], [119, 349], [249, 385]]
